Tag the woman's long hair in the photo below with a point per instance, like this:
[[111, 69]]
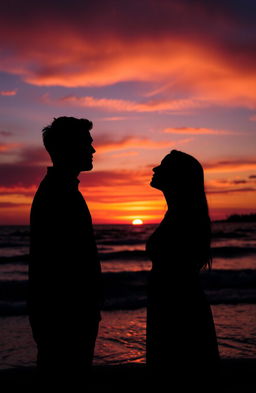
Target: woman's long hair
[[188, 179]]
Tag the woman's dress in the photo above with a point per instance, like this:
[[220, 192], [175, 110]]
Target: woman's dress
[[180, 329]]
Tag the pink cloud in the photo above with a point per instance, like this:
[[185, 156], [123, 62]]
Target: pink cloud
[[115, 118], [121, 105], [236, 165], [8, 93], [197, 131]]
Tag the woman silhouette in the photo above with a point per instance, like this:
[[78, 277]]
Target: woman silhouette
[[181, 339]]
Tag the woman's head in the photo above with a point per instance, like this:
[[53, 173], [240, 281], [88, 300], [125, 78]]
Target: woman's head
[[181, 178], [179, 174]]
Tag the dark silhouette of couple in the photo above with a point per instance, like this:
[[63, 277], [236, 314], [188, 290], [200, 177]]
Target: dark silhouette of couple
[[65, 285]]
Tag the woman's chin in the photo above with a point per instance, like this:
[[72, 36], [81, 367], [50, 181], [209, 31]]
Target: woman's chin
[[154, 185]]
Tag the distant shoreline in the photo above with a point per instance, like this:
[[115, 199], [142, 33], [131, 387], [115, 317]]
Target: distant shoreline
[[251, 217]]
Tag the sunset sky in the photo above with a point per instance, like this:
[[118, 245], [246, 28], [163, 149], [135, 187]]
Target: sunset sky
[[152, 75]]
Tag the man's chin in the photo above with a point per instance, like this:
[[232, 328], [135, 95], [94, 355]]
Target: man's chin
[[87, 167]]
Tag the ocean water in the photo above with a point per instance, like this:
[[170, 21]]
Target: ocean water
[[230, 287]]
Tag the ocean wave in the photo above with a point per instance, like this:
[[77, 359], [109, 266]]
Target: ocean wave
[[16, 259], [104, 256], [231, 252], [124, 255], [224, 252], [141, 255], [13, 244], [13, 290], [125, 242], [239, 279], [13, 308], [228, 235], [128, 290], [9, 231]]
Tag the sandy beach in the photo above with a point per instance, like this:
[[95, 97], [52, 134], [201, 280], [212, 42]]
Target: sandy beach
[[237, 376]]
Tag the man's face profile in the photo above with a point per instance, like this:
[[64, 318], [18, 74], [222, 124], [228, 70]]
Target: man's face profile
[[83, 156]]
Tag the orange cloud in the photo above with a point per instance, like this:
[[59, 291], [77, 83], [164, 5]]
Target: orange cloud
[[105, 143], [14, 198], [205, 83], [193, 54], [7, 147], [125, 154]]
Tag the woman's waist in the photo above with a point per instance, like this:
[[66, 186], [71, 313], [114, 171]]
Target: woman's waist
[[189, 273], [172, 280]]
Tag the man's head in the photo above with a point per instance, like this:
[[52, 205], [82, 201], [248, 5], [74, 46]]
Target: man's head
[[69, 143]]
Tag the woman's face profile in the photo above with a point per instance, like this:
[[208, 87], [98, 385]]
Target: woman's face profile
[[164, 173]]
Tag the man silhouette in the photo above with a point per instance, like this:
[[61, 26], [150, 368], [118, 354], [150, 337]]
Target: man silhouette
[[64, 270]]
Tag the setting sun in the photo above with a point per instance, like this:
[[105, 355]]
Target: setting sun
[[137, 221]]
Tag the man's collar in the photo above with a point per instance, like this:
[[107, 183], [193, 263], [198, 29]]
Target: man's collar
[[63, 175]]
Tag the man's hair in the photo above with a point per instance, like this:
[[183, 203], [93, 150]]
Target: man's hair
[[64, 132]]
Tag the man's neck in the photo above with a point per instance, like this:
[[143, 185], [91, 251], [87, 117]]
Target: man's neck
[[66, 171]]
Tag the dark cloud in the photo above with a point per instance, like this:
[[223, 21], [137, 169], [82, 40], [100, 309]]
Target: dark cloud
[[6, 134], [231, 190], [27, 169], [113, 178], [20, 175], [34, 155], [7, 205], [225, 181], [239, 181], [133, 16]]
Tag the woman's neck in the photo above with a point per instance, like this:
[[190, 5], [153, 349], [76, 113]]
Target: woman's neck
[[178, 203]]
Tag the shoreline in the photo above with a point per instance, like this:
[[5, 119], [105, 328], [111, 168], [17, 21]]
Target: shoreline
[[236, 375]]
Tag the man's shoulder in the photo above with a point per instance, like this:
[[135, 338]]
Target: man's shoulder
[[47, 194]]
